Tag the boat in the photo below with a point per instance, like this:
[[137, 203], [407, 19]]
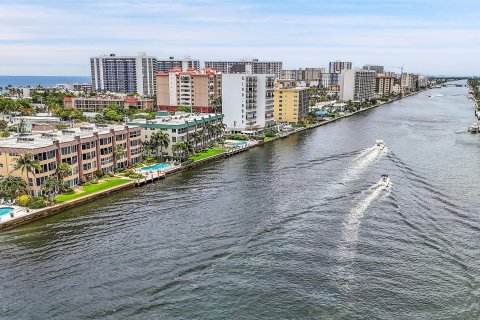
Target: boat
[[385, 180], [474, 128], [380, 144]]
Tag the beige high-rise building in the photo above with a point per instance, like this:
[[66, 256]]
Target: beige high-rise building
[[384, 83], [188, 88], [290, 102]]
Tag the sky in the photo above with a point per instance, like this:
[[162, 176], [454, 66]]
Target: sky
[[57, 37]]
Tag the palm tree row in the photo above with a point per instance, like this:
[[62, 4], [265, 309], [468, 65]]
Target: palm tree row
[[158, 141]]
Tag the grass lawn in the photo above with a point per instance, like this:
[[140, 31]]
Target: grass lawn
[[86, 190], [268, 138], [205, 154]]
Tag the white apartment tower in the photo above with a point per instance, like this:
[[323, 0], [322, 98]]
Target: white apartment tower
[[124, 74], [357, 85], [247, 101]]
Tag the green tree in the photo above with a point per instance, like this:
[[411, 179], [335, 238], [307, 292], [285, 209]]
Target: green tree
[[50, 187], [11, 186], [3, 125], [118, 153], [63, 170], [159, 139], [28, 164]]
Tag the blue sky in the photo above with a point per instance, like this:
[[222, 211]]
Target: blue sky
[[52, 37]]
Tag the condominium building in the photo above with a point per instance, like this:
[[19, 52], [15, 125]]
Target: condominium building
[[328, 79], [247, 101], [99, 103], [124, 74], [409, 81], [180, 127], [290, 102], [188, 88], [86, 149], [384, 83], [184, 64], [247, 66], [357, 85], [373, 67], [339, 66], [307, 74]]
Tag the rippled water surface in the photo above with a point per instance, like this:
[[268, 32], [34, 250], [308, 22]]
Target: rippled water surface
[[298, 229]]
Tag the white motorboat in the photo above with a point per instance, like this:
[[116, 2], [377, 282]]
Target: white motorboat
[[385, 180], [380, 144], [474, 128]]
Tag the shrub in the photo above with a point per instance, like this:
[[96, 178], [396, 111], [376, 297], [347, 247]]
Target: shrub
[[111, 174], [37, 203], [94, 180], [68, 190], [236, 136], [128, 172], [270, 133], [136, 176], [23, 200], [99, 174]]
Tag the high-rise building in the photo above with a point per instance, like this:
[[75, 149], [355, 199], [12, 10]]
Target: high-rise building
[[307, 74], [184, 64], [338, 66], [409, 81], [247, 101], [384, 83], [376, 68], [124, 74], [290, 102], [247, 66], [328, 79], [357, 85], [188, 88]]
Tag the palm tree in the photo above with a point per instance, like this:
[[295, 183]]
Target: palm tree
[[146, 147], [212, 130], [50, 187], [63, 170], [182, 149], [160, 140], [28, 164], [196, 138], [118, 154], [221, 128], [11, 186]]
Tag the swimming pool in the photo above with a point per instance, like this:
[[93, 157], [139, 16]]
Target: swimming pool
[[5, 210], [158, 166], [241, 143]]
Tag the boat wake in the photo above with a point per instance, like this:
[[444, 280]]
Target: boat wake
[[363, 161], [348, 246], [354, 217]]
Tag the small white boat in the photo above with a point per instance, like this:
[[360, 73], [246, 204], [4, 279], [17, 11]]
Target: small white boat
[[380, 144], [474, 128], [385, 180]]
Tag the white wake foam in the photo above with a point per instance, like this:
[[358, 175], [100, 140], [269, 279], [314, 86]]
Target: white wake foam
[[362, 162]]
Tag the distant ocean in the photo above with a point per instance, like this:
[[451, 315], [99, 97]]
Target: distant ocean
[[44, 81]]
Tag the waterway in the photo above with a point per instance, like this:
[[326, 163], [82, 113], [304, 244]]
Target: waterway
[[296, 229]]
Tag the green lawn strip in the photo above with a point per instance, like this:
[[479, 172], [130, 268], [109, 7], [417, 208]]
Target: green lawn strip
[[268, 138], [91, 189], [205, 154]]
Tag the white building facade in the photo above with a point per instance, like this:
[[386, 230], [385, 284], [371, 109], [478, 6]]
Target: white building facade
[[357, 85], [247, 101]]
